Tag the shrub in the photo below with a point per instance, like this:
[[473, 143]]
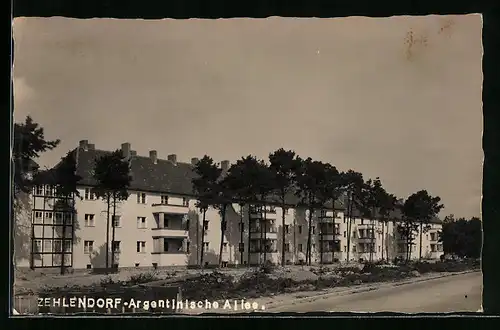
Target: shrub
[[142, 278], [268, 267]]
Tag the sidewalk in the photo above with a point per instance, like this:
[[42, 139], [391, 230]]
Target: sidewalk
[[272, 302]]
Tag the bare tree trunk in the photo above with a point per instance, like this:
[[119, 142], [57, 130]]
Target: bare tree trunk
[[420, 247], [249, 235], [349, 225], [113, 229], [321, 246], [203, 237], [383, 240], [294, 238], [283, 236], [222, 232], [108, 201], [265, 233], [242, 230], [197, 238], [309, 238]]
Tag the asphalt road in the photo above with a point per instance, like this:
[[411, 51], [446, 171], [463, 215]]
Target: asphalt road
[[459, 293]]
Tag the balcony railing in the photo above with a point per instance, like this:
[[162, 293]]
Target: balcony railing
[[269, 230]]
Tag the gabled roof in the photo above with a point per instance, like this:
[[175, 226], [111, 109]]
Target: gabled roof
[[161, 177], [166, 177]]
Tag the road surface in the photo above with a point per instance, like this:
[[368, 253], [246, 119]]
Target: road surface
[[458, 293]]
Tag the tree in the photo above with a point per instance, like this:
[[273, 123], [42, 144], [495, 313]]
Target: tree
[[387, 204], [422, 207], [112, 174], [29, 143], [241, 181], [207, 174], [370, 203], [462, 237], [222, 199], [66, 188], [352, 184], [316, 182], [284, 165]]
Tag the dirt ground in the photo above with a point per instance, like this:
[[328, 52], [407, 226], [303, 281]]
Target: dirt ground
[[29, 282]]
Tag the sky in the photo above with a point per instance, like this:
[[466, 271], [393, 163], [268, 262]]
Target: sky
[[397, 98]]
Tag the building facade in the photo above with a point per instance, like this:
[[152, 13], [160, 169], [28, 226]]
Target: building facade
[[159, 225]]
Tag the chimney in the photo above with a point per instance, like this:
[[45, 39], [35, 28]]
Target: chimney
[[126, 149], [91, 146], [154, 156], [133, 153], [194, 161], [224, 165], [172, 158], [84, 144]]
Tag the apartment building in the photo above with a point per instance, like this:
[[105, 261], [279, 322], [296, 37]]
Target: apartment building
[[160, 225]]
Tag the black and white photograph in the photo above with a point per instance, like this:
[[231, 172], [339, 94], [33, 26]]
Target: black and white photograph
[[247, 165]]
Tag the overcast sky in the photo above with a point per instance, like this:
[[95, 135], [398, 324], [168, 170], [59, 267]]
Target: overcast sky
[[347, 91]]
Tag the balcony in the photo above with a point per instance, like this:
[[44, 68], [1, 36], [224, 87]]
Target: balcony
[[271, 232], [170, 209], [170, 232], [258, 213], [326, 216], [366, 239]]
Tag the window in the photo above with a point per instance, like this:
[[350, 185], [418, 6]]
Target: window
[[89, 220], [164, 199], [37, 245], [285, 211], [141, 198], [38, 217], [188, 246], [205, 225], [287, 247], [379, 248], [354, 248], [141, 222], [89, 195], [48, 217], [116, 221], [345, 234], [57, 246], [88, 247], [116, 246], [165, 245], [185, 201], [67, 245], [49, 191], [141, 247], [313, 230], [287, 229], [205, 245], [39, 190], [300, 247], [354, 234], [300, 229], [345, 248], [166, 221], [224, 247], [433, 247], [68, 218]]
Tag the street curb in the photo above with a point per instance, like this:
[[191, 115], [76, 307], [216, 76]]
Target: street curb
[[381, 285]]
